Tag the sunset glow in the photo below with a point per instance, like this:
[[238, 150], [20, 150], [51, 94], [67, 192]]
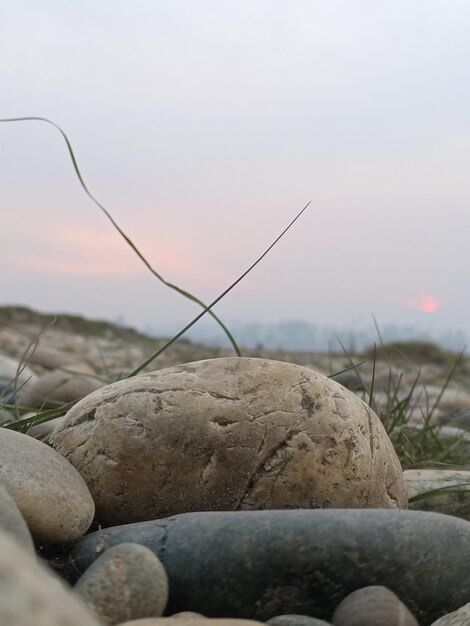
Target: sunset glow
[[82, 253], [429, 305], [424, 303]]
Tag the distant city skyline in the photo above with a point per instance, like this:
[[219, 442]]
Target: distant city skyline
[[306, 336], [205, 127]]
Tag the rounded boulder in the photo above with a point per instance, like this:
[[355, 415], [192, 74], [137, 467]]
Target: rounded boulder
[[50, 494], [228, 434], [127, 582]]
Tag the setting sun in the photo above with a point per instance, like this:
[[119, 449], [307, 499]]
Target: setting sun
[[429, 305], [424, 303]]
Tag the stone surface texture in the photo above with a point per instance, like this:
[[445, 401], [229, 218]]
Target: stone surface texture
[[12, 521], [50, 493], [30, 595], [126, 582], [461, 617], [229, 434], [452, 503], [372, 606], [266, 563]]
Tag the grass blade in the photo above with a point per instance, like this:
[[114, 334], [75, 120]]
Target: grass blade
[[439, 491], [127, 239], [457, 362], [224, 293], [41, 416], [346, 369]]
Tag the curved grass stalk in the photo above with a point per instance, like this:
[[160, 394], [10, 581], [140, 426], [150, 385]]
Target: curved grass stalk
[[439, 491], [46, 415], [224, 293], [127, 239]]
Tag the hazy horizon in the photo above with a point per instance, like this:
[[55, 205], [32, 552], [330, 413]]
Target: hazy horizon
[[205, 127]]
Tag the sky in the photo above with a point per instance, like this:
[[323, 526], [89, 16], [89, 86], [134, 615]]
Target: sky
[[204, 127]]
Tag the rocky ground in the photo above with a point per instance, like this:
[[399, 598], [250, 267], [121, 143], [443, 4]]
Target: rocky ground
[[246, 489]]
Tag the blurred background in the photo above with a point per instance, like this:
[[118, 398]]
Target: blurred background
[[204, 127]]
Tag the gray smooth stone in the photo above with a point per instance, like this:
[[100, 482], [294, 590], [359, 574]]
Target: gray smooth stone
[[296, 620], [259, 564]]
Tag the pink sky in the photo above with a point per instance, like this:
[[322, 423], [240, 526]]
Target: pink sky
[[205, 127]]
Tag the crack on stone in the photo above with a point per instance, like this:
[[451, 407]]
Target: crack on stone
[[221, 396], [223, 422], [157, 402], [66, 454], [132, 422], [388, 487], [89, 458], [264, 468], [143, 390], [350, 447], [307, 402], [263, 441], [84, 463], [337, 410], [208, 469], [85, 419], [164, 539], [103, 456], [261, 505], [371, 435], [276, 410]]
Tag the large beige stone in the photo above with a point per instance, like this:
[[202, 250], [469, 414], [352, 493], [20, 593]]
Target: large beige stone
[[228, 434], [51, 495], [31, 595]]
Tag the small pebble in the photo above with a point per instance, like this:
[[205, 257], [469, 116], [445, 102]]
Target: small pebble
[[126, 582], [372, 606]]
